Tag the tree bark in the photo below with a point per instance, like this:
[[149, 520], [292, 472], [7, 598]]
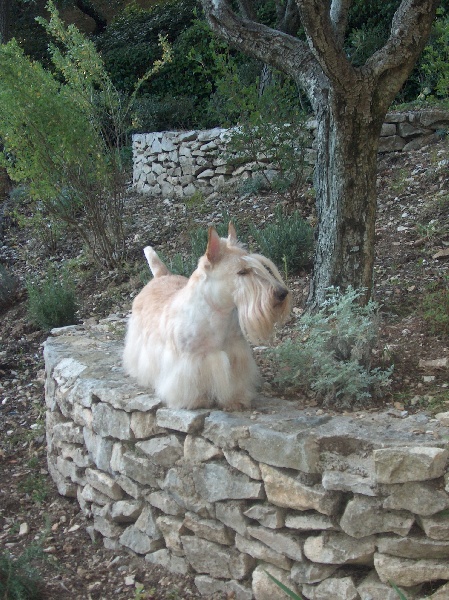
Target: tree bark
[[350, 104]]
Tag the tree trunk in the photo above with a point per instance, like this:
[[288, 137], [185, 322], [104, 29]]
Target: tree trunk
[[345, 183]]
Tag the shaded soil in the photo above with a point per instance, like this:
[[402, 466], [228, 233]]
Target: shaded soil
[[412, 268]]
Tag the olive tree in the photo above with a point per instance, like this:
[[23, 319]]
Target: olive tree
[[349, 102]]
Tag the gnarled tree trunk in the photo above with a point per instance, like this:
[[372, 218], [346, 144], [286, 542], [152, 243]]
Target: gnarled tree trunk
[[350, 104]]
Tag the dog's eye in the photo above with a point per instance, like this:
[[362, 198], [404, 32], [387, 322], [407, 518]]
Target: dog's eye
[[244, 272]]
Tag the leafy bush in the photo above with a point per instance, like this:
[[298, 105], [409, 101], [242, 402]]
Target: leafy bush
[[182, 265], [8, 287], [435, 60], [271, 132], [52, 301], [65, 140], [288, 241], [331, 352], [436, 309], [19, 579]]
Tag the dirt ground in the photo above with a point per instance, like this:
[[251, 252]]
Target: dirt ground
[[412, 268]]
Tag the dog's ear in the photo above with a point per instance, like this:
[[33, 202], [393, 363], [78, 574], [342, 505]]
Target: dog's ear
[[232, 234], [213, 249]]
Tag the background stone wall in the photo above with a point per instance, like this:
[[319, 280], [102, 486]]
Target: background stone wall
[[333, 506], [177, 164]]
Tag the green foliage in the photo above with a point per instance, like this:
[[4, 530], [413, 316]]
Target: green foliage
[[19, 579], [52, 301], [330, 354], [65, 140], [179, 92], [271, 131], [8, 287], [182, 265], [435, 59], [35, 485], [288, 241], [436, 308]]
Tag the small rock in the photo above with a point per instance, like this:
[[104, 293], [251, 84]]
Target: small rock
[[24, 529]]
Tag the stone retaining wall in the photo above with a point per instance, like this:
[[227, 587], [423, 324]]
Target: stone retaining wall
[[177, 164], [334, 507]]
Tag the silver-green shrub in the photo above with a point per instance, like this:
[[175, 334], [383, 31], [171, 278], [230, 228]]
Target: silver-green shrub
[[330, 353]]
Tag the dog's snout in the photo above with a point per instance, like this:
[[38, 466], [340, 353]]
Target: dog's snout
[[281, 294]]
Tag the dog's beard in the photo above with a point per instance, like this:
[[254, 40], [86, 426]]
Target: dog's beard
[[258, 311]]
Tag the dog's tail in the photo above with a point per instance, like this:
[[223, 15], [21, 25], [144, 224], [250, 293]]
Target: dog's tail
[[156, 265]]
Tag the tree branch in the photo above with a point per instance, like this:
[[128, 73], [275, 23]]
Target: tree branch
[[271, 46], [410, 29], [339, 14], [326, 40]]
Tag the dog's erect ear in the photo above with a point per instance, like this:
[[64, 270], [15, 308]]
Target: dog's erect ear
[[232, 234], [213, 249]]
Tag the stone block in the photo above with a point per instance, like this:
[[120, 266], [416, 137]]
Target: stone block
[[342, 588], [197, 449], [399, 465], [421, 498], [131, 487], [165, 502], [77, 454], [308, 521], [413, 546], [144, 425], [364, 516], [265, 588], [185, 421], [67, 432], [69, 470], [338, 549], [91, 494], [140, 469], [372, 588], [126, 511], [344, 481], [436, 527], [260, 551], [391, 143], [215, 482], [164, 451], [409, 572], [104, 484], [231, 513], [309, 572], [171, 562], [284, 542], [284, 490], [243, 463], [209, 529], [100, 449], [147, 523], [106, 527], [65, 486], [172, 529], [109, 422], [139, 542], [281, 449], [268, 516], [218, 561], [225, 430], [207, 586], [180, 485]]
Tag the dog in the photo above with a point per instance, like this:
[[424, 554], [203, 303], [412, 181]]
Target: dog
[[186, 337]]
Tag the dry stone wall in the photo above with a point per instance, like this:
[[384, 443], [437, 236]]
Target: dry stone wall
[[334, 507], [177, 164]]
